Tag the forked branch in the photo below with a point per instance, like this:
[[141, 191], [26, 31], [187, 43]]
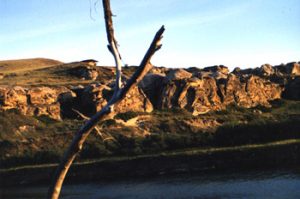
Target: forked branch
[[108, 110]]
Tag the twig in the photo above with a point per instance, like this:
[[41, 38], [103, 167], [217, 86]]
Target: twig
[[96, 128], [81, 114]]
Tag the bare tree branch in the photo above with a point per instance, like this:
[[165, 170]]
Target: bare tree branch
[[145, 65], [87, 118], [80, 114], [113, 45], [108, 110], [96, 128]]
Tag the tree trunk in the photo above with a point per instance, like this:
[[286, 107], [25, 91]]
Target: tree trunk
[[119, 94]]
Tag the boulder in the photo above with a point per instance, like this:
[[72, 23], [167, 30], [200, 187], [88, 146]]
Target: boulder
[[292, 89], [196, 95], [237, 71], [12, 97], [33, 101], [152, 85], [200, 96], [42, 96], [249, 91], [261, 91], [90, 75], [95, 96], [68, 102], [159, 70], [217, 72], [292, 68], [178, 74], [244, 72], [214, 69], [194, 70], [51, 110], [85, 71], [136, 101], [266, 70], [232, 91], [66, 97]]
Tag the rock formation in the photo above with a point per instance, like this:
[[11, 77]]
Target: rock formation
[[214, 88], [59, 102], [196, 95], [95, 96], [292, 68], [85, 72], [292, 89], [196, 90], [32, 101]]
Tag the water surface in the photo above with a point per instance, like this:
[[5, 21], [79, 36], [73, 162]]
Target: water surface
[[250, 184]]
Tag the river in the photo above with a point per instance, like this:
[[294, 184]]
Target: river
[[283, 184]]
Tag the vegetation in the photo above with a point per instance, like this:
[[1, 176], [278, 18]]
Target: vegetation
[[22, 65], [127, 115], [35, 140], [45, 72]]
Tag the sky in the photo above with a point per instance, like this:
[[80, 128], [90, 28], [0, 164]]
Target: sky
[[234, 33]]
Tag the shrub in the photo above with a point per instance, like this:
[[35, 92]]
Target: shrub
[[259, 131], [94, 150]]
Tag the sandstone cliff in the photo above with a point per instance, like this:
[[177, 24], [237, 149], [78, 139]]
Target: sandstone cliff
[[194, 89]]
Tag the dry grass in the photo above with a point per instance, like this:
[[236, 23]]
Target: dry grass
[[45, 72], [22, 65]]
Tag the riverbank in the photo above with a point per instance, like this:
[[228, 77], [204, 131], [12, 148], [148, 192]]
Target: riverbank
[[26, 140], [242, 184], [277, 154]]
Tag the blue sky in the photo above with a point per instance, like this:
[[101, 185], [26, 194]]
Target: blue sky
[[244, 33]]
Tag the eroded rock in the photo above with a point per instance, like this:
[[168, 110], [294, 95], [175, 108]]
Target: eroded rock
[[178, 74], [266, 70], [200, 96], [12, 97], [292, 89], [85, 71], [95, 96], [292, 68], [32, 101], [194, 89], [196, 95], [152, 85]]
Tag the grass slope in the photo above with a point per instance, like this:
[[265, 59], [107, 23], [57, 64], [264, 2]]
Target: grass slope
[[46, 72], [21, 65], [36, 140]]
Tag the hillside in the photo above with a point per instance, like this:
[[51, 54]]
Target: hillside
[[46, 72], [21, 65], [56, 91], [171, 110]]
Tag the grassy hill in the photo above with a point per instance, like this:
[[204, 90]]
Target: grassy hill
[[21, 65], [48, 72]]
